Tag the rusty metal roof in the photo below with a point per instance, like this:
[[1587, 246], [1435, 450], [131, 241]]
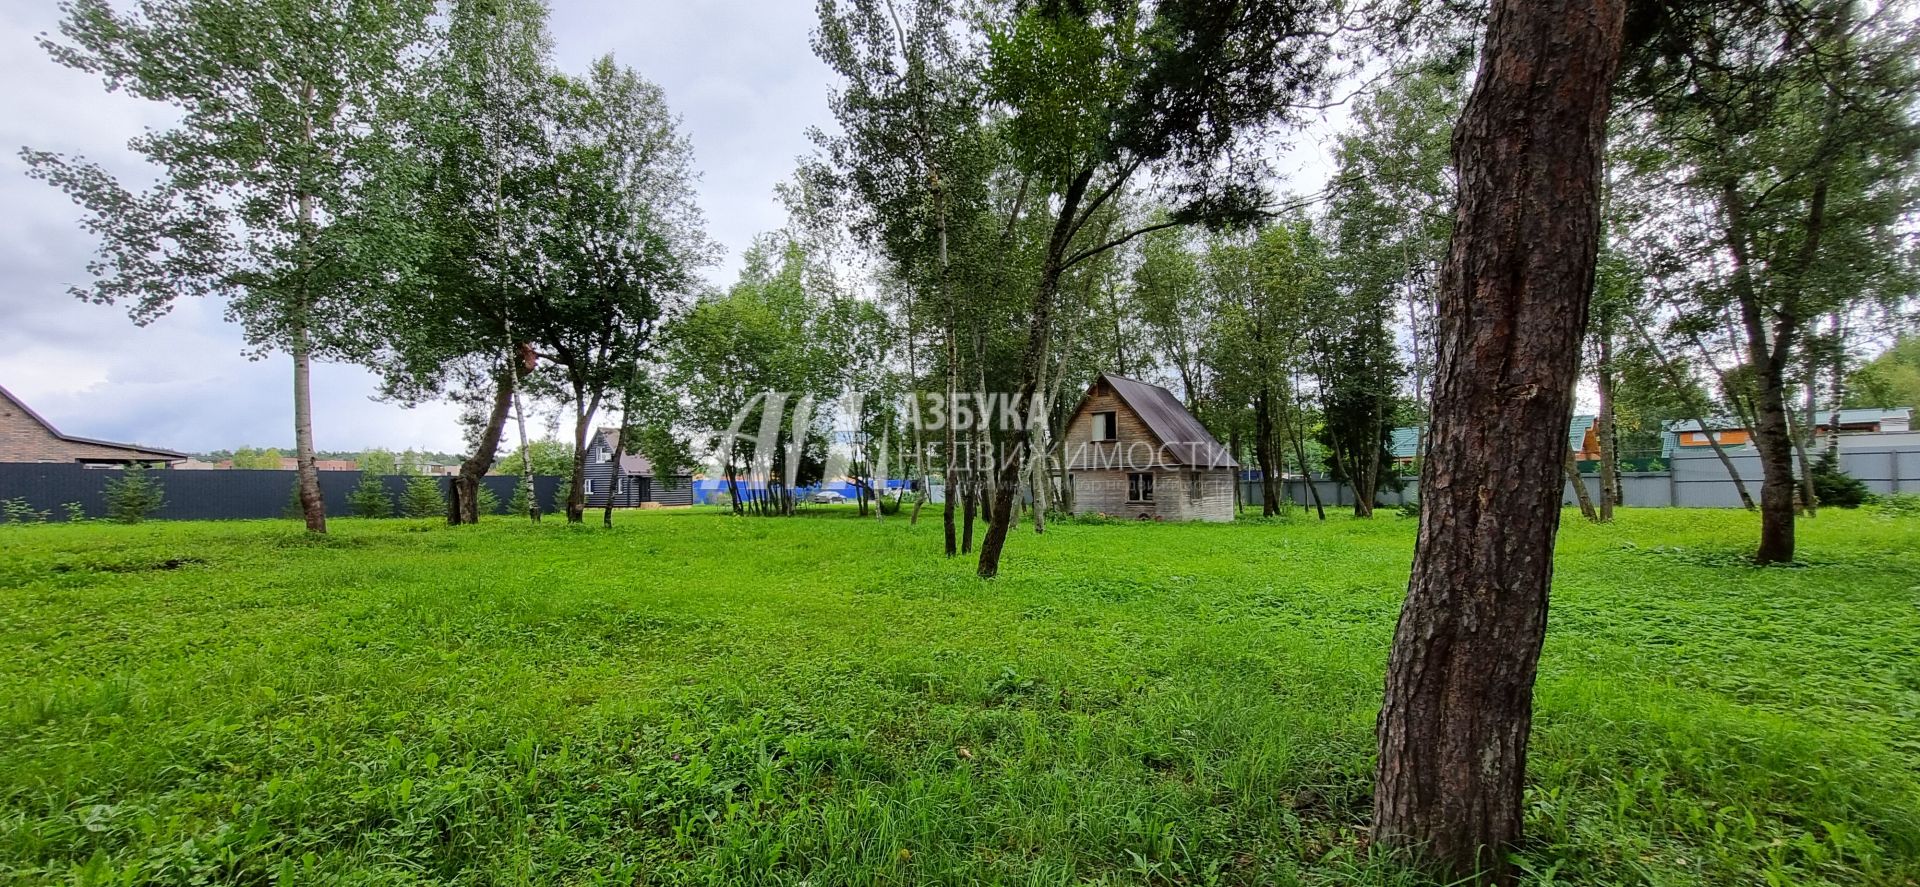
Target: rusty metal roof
[[1185, 440]]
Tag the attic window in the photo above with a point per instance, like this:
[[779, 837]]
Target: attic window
[[1139, 487], [1106, 426], [602, 454]]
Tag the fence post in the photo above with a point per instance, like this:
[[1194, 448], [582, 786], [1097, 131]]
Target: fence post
[[1893, 469], [1673, 484]]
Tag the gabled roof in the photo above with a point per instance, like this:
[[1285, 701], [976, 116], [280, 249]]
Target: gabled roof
[[1848, 416], [1182, 437], [135, 448], [1577, 432], [1405, 443], [631, 464]]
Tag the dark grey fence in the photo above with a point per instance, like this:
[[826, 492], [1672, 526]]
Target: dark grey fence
[[213, 495]]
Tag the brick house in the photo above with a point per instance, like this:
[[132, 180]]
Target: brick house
[[1132, 450], [26, 437]]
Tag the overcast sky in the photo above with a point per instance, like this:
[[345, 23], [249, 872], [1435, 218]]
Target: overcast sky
[[739, 72]]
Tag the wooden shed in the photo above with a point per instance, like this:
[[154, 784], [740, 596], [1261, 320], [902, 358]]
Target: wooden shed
[[1132, 450]]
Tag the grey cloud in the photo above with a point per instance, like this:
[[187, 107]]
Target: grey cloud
[[740, 74]]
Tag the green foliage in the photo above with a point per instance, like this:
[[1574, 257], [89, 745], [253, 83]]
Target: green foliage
[[1195, 701], [1891, 379], [292, 510], [1903, 505], [369, 497], [422, 497], [18, 510], [1834, 486], [763, 335], [485, 502], [75, 512], [379, 462], [248, 457], [562, 491], [550, 458], [134, 495], [518, 505]]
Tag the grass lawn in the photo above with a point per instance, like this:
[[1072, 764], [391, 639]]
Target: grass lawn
[[697, 698]]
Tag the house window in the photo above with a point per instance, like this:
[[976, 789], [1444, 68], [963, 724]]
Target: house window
[[587, 486], [1140, 487], [623, 485], [1106, 426], [602, 454]]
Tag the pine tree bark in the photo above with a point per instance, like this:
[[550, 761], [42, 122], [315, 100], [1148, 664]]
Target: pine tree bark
[[1512, 309]]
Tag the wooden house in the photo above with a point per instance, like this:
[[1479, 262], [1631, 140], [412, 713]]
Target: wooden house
[[629, 480], [1132, 450]]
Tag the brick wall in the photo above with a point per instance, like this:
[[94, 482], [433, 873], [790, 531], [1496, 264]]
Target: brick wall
[[25, 439]]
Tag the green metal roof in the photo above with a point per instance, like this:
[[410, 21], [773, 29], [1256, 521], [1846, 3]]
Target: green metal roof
[[1406, 441]]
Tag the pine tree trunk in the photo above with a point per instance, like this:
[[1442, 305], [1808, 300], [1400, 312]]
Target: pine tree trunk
[[463, 503], [1512, 308]]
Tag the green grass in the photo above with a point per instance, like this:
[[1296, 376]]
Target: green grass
[[697, 698]]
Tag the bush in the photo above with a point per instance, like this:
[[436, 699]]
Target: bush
[[75, 512], [1905, 505], [369, 498], [133, 496], [518, 505], [1834, 486], [561, 492], [19, 511], [422, 497]]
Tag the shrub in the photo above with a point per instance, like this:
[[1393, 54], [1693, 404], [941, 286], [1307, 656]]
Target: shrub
[[133, 496], [1905, 505], [75, 512], [1835, 486], [19, 511], [561, 492], [369, 498], [422, 497], [485, 502], [518, 504]]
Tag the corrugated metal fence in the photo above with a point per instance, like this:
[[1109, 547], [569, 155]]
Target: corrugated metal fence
[[213, 495], [1693, 479]]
